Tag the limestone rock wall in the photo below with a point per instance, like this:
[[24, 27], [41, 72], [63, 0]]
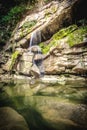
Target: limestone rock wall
[[48, 20], [70, 60]]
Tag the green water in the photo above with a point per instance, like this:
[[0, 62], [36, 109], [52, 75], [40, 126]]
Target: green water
[[35, 100]]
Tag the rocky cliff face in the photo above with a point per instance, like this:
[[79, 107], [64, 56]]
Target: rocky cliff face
[[59, 60], [65, 52], [47, 20], [67, 60]]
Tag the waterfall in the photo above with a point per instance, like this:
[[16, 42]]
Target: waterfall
[[31, 40], [38, 59], [35, 38], [33, 35], [34, 48]]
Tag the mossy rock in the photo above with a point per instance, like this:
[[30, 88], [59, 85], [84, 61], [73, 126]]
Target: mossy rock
[[77, 36], [73, 33], [27, 27], [59, 35], [14, 57]]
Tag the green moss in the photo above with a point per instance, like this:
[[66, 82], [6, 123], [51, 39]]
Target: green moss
[[47, 14], [29, 24], [13, 59], [74, 35], [45, 48], [64, 32], [21, 34], [9, 21], [59, 35], [42, 46], [27, 27], [50, 11], [47, 1], [54, 9], [77, 36]]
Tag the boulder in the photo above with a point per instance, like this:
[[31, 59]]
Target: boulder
[[57, 113], [35, 49], [25, 63], [29, 63], [11, 120], [35, 71]]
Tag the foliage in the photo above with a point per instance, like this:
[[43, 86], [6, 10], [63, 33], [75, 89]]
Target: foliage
[[45, 48], [74, 35], [13, 14], [82, 22], [25, 1], [9, 21], [29, 24], [27, 27], [47, 1], [77, 36], [64, 32]]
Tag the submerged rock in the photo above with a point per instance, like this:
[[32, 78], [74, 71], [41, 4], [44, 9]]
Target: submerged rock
[[54, 113], [50, 105], [11, 120]]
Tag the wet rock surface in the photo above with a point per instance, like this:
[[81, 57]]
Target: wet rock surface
[[10, 119], [48, 106]]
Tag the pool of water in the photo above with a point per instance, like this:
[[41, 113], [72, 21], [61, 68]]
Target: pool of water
[[39, 103]]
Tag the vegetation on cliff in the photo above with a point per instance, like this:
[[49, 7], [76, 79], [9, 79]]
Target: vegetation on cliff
[[11, 13], [9, 21], [16, 14], [14, 58], [73, 34]]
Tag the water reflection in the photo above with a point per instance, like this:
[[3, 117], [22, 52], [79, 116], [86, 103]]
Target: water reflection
[[41, 104], [71, 90]]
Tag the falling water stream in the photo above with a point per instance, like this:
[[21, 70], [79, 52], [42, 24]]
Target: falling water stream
[[35, 38], [34, 47]]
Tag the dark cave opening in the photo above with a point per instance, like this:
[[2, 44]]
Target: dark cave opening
[[80, 11]]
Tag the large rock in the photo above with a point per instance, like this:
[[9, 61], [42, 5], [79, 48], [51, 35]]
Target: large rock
[[45, 22], [69, 60], [35, 71], [11, 120], [57, 113], [25, 63], [30, 63], [39, 27]]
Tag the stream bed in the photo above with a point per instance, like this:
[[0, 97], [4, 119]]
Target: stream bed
[[47, 106]]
